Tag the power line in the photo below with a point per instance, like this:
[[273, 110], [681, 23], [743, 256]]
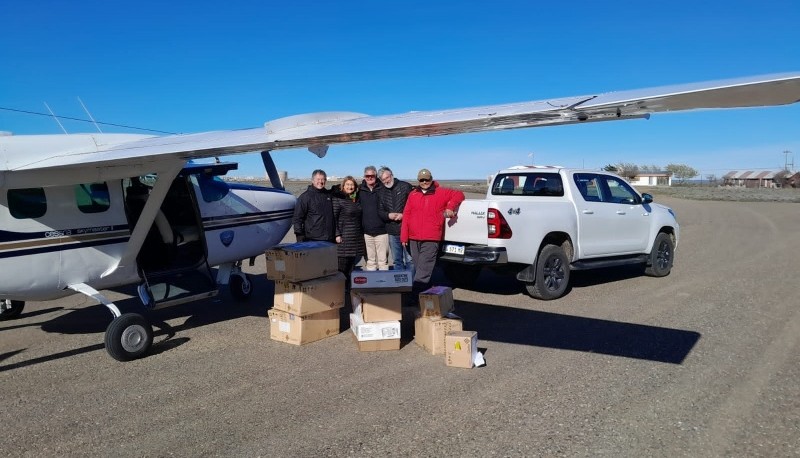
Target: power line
[[86, 120]]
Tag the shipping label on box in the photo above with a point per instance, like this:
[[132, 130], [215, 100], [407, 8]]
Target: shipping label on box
[[461, 348], [302, 261], [384, 281], [310, 296], [374, 307], [377, 345], [374, 331], [429, 333], [298, 330], [436, 301]]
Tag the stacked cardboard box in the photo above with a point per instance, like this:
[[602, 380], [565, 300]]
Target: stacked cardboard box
[[376, 300], [439, 332], [309, 291]]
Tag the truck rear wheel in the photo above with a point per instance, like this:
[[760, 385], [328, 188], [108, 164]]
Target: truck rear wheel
[[551, 276]]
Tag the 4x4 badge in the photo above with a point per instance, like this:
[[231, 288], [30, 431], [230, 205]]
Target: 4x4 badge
[[513, 211]]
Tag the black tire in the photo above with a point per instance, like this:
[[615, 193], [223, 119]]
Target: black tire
[[461, 275], [551, 274], [14, 309], [128, 337], [241, 287], [661, 257]]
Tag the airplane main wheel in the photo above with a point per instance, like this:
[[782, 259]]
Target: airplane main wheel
[[128, 337], [241, 287], [11, 309]]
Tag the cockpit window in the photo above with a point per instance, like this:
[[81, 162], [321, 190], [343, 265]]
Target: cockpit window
[[92, 197], [212, 188], [27, 203]]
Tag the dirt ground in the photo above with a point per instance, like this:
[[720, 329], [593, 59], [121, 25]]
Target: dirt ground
[[704, 362]]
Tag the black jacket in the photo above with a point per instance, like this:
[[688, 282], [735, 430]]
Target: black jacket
[[370, 200], [348, 225], [393, 200], [313, 216]]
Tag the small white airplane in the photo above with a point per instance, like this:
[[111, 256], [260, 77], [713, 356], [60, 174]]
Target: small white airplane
[[85, 212]]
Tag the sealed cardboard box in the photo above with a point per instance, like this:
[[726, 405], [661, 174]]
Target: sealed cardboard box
[[461, 348], [436, 301], [298, 330], [375, 307], [377, 345], [310, 296], [430, 332], [374, 331], [381, 281], [302, 261]]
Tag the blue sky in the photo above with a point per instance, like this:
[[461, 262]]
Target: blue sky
[[200, 65]]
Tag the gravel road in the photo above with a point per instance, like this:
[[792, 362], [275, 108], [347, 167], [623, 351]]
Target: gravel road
[[704, 362]]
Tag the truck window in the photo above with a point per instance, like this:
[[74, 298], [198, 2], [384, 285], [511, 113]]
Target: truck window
[[588, 186], [528, 184]]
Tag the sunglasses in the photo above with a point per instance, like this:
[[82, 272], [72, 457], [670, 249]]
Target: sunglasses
[[369, 176], [424, 180]]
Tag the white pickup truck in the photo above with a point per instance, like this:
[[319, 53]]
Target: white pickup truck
[[542, 222]]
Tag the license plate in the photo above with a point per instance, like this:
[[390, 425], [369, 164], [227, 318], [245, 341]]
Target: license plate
[[454, 249]]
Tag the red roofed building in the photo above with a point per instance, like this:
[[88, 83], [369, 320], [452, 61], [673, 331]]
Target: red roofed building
[[755, 179]]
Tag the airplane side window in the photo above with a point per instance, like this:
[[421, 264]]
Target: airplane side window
[[92, 198], [212, 188], [27, 203]]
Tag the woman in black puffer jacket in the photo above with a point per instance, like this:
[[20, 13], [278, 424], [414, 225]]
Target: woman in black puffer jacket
[[349, 231]]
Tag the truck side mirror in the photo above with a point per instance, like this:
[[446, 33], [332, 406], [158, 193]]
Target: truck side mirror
[[646, 198]]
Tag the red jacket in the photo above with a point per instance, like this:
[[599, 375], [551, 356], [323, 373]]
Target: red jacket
[[423, 217]]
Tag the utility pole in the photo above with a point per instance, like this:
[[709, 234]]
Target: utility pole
[[788, 166]]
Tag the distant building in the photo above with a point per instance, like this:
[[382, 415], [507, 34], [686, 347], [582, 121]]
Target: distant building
[[793, 180], [652, 179], [754, 179]]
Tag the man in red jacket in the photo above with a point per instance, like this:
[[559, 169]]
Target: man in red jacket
[[423, 222]]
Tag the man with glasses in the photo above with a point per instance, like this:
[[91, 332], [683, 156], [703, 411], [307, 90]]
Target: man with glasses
[[392, 203], [375, 236], [422, 227], [313, 214]]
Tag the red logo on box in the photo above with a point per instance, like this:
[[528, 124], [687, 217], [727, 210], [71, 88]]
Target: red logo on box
[[359, 280]]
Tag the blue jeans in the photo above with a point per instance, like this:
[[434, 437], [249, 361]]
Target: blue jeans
[[401, 257]]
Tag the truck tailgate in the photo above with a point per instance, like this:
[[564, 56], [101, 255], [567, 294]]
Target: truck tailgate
[[470, 225]]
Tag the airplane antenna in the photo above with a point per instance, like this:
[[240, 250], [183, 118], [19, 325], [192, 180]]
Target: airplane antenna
[[55, 117], [89, 115]]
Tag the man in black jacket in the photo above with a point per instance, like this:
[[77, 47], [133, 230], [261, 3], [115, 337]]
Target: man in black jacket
[[375, 237], [393, 198], [313, 214]]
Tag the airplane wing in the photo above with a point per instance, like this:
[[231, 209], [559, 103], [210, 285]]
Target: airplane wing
[[318, 130]]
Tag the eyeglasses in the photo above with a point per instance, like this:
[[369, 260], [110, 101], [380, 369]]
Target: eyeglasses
[[424, 180], [369, 176]]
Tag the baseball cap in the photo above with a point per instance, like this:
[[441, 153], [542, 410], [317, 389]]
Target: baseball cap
[[424, 173]]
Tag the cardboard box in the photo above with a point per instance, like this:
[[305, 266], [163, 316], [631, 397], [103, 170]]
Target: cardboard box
[[299, 330], [436, 301], [461, 349], [377, 345], [302, 261], [429, 332], [310, 296], [374, 307], [374, 331], [381, 281]]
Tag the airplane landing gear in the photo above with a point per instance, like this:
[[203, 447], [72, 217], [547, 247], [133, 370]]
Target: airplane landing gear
[[128, 337], [241, 287], [10, 309]]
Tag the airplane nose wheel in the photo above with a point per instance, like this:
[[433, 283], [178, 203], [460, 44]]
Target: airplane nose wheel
[[241, 287], [128, 337], [10, 309]]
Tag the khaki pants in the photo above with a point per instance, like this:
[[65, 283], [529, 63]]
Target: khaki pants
[[377, 252]]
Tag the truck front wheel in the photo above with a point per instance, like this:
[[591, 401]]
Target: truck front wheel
[[551, 274], [660, 262]]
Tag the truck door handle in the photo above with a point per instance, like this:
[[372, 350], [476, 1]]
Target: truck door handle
[[588, 212], [620, 212]]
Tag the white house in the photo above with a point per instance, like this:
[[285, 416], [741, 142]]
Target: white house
[[652, 179]]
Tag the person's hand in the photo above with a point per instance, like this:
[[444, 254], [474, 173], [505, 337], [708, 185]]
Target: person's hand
[[338, 239], [449, 213]]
